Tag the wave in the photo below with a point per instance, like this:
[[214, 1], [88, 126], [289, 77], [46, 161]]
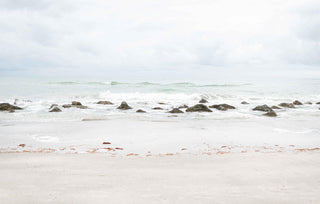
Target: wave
[[78, 83], [146, 83]]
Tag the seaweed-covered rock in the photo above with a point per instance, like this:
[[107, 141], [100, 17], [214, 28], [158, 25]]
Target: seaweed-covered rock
[[183, 106], [275, 107], [140, 111], [308, 103], [263, 108], [198, 108], [175, 110], [222, 107], [55, 109], [67, 105], [287, 105], [81, 106], [76, 103], [105, 103], [124, 106], [244, 103], [298, 103], [270, 114], [203, 101], [8, 107], [157, 108]]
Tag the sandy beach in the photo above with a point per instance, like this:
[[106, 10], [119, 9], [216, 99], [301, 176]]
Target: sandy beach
[[290, 177]]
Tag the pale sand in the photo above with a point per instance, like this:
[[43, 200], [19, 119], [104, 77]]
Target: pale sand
[[289, 177]]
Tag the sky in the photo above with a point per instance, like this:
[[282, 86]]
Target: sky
[[164, 39]]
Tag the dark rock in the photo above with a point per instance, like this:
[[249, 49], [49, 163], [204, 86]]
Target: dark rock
[[198, 108], [161, 103], [222, 107], [157, 108], [8, 107], [203, 101], [55, 109], [244, 103], [67, 106], [298, 103], [308, 103], [22, 145], [270, 114], [183, 106], [140, 111], [173, 116], [175, 110], [81, 106], [264, 108], [124, 106], [106, 143], [105, 103], [76, 103], [287, 105], [275, 107], [53, 105], [77, 106], [318, 103]]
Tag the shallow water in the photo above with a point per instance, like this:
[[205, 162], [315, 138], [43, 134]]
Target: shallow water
[[156, 130]]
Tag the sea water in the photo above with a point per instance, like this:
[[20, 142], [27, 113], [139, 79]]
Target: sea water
[[158, 131]]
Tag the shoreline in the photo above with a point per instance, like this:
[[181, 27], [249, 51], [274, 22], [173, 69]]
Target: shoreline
[[119, 151], [288, 177]]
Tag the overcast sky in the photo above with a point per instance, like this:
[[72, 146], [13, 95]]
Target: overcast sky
[[95, 37]]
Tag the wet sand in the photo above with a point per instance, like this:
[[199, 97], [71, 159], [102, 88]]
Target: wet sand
[[290, 177]]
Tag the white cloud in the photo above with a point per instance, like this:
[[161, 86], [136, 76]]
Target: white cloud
[[105, 35]]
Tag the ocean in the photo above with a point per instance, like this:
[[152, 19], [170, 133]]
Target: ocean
[[157, 131]]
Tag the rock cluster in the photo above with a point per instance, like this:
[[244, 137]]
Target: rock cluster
[[196, 108]]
